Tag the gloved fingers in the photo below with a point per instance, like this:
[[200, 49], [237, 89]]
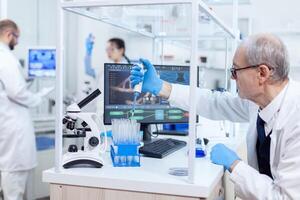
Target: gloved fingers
[[136, 73], [212, 156], [138, 78], [216, 149], [135, 82], [136, 68], [146, 64], [219, 146]]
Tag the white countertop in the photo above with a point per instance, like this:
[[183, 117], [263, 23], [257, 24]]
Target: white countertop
[[151, 177]]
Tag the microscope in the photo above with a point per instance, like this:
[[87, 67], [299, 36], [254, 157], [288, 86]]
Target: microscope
[[77, 124]]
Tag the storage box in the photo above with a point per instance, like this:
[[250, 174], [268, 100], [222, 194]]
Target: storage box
[[125, 155]]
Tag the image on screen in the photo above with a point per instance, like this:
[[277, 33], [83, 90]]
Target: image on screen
[[41, 62], [118, 95]]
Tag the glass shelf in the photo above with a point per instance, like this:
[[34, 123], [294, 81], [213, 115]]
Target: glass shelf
[[152, 18], [226, 2], [205, 43]]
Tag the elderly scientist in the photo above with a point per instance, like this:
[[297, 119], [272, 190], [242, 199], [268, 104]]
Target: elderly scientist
[[268, 100]]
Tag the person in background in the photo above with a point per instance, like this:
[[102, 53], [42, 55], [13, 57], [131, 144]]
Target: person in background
[[116, 50], [116, 53], [268, 100], [17, 139]]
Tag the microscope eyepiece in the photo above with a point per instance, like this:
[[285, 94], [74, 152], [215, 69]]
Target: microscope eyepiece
[[89, 98]]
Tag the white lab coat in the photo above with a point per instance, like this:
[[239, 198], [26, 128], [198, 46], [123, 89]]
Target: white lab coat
[[17, 140], [285, 140]]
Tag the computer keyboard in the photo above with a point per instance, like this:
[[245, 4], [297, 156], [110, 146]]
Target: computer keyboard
[[161, 147]]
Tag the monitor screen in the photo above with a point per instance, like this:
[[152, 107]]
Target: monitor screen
[[41, 62], [150, 109]]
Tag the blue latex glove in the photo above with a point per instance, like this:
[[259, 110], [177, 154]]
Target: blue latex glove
[[151, 82], [222, 155], [89, 43]]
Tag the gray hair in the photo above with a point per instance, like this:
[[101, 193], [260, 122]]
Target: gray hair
[[270, 50]]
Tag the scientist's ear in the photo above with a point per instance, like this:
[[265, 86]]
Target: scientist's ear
[[264, 73]]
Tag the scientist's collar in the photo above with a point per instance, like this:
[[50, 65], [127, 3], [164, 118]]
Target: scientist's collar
[[4, 46], [274, 106]]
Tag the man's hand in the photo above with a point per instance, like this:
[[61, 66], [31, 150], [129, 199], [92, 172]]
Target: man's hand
[[151, 82], [222, 155]]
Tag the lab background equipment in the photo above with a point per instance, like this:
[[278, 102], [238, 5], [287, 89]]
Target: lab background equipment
[[39, 71], [150, 109], [41, 62]]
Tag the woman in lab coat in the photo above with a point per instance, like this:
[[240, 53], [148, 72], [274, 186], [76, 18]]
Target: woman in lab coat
[[115, 50], [268, 100], [17, 139]]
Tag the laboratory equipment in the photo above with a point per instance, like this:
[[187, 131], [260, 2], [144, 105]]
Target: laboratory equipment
[[78, 124], [161, 147], [173, 129], [178, 171], [201, 147], [41, 62], [137, 89], [125, 131], [150, 109], [126, 140]]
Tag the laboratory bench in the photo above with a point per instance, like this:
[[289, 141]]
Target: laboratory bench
[[149, 181]]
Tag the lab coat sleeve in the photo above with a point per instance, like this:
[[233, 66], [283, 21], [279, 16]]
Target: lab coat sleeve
[[15, 85], [212, 105], [250, 184]]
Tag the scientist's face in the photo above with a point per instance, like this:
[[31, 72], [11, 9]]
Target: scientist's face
[[113, 52], [13, 39], [245, 75]]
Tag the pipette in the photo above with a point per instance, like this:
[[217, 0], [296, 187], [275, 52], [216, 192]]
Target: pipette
[[137, 90]]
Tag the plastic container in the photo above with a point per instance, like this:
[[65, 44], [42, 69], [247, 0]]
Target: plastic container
[[200, 148], [125, 155], [200, 153]]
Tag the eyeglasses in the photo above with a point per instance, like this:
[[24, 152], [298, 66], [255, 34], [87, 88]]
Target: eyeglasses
[[233, 69], [15, 35]]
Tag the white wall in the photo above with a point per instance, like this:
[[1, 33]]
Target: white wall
[[24, 13], [273, 16], [36, 21]]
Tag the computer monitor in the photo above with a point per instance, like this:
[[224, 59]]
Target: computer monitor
[[41, 62], [150, 109]]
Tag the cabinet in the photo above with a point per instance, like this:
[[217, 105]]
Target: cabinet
[[69, 192]]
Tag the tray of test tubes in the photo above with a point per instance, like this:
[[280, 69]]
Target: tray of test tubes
[[125, 155], [126, 142]]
